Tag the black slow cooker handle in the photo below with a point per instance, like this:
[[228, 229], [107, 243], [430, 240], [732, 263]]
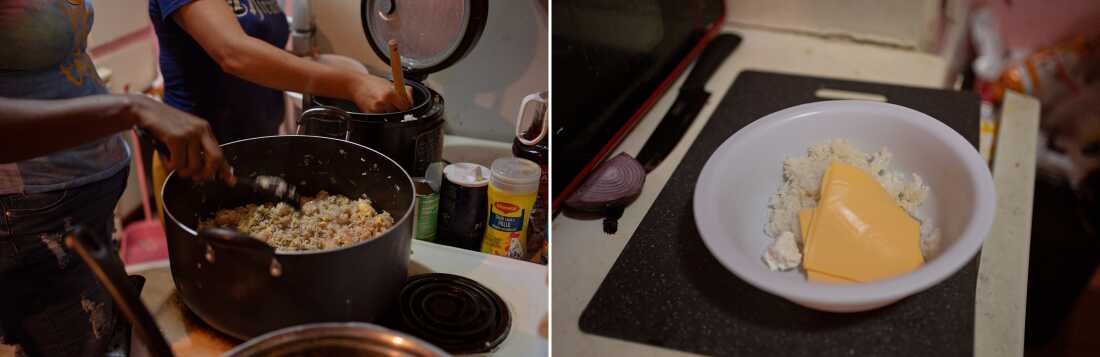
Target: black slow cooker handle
[[109, 270], [313, 122]]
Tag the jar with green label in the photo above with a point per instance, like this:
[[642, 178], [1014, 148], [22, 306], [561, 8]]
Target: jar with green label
[[426, 214]]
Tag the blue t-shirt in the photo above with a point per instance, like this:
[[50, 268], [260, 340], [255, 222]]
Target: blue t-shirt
[[44, 57], [236, 108]]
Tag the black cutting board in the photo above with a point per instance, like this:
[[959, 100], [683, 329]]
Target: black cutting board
[[667, 290]]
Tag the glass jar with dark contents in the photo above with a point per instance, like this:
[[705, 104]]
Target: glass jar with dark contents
[[531, 143]]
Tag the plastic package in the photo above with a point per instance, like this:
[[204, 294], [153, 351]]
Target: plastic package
[[1049, 74]]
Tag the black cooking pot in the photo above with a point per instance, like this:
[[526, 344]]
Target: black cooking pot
[[319, 339], [413, 138], [242, 286]]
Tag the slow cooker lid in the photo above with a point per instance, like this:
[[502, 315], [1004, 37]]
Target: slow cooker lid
[[432, 34]]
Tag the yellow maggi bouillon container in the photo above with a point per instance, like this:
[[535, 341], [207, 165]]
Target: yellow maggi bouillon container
[[513, 186]]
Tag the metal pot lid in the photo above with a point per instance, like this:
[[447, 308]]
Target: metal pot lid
[[431, 34]]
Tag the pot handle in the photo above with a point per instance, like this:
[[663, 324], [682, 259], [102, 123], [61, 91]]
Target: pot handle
[[108, 269], [232, 239], [315, 119]]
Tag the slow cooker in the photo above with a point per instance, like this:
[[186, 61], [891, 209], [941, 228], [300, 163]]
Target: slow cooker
[[433, 35]]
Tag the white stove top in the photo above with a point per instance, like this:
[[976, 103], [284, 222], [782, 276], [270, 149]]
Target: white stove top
[[522, 285]]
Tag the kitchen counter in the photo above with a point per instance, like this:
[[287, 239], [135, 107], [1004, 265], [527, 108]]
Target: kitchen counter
[[520, 284], [584, 254]]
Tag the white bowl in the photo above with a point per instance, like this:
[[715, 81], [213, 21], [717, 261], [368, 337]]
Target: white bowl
[[731, 196]]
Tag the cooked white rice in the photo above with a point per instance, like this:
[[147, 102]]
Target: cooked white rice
[[802, 186]]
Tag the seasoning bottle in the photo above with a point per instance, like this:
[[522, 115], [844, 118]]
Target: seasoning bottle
[[513, 186], [463, 205], [530, 143]]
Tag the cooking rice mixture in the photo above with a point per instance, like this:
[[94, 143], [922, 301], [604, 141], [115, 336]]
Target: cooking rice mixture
[[802, 188], [325, 221]]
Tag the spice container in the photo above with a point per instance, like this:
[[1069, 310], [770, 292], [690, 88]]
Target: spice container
[[463, 205], [513, 188]]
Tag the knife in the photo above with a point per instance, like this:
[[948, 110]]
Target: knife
[[689, 101]]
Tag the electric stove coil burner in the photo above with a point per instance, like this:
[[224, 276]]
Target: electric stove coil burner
[[454, 313]]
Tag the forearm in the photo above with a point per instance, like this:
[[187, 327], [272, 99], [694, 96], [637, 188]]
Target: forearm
[[31, 128], [256, 61], [212, 24]]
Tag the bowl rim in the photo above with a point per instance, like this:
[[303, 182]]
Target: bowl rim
[[931, 273]]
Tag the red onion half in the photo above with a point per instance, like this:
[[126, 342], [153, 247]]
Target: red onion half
[[614, 185]]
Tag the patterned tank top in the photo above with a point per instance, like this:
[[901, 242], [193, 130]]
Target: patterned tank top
[[45, 57]]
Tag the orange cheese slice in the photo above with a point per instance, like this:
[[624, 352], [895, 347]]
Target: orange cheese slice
[[804, 217], [858, 232], [820, 277]]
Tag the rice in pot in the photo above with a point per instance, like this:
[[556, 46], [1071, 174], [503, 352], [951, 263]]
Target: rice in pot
[[324, 222]]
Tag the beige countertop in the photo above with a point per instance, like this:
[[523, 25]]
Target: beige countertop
[[521, 284], [584, 254]]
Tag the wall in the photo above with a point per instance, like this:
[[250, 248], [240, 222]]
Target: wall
[[904, 23], [484, 90], [937, 27], [122, 41]]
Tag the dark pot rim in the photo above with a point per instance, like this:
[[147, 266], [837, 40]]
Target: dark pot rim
[[396, 223]]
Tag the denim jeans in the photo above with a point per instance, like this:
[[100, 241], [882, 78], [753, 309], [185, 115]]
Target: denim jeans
[[50, 302]]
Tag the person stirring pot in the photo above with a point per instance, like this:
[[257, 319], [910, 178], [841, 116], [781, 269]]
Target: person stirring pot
[[63, 164], [223, 60]]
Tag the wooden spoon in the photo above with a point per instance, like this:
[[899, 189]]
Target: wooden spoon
[[398, 75]]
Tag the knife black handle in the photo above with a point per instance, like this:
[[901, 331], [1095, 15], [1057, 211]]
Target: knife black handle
[[672, 128], [691, 98], [712, 57]]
